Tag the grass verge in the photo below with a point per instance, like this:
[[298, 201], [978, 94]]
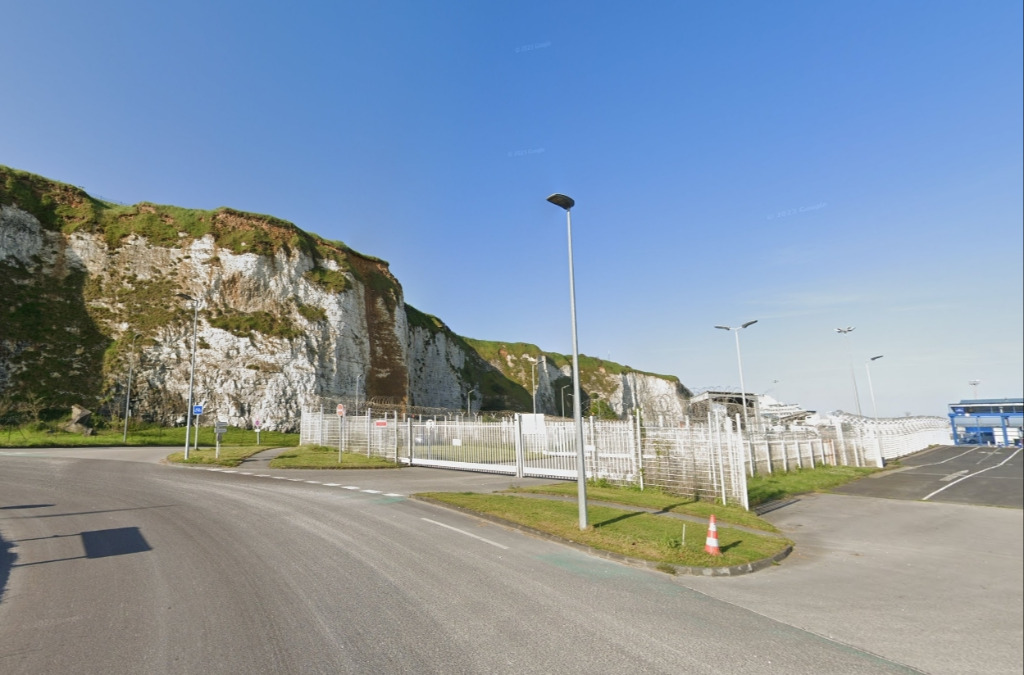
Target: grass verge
[[655, 538], [323, 457], [653, 498], [230, 455], [769, 487], [44, 435]]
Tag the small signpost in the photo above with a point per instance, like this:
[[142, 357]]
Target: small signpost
[[219, 427], [256, 425]]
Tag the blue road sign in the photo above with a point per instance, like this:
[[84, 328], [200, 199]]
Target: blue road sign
[[197, 410]]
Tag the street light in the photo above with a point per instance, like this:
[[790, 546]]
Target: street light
[[867, 367], [739, 360], [974, 384], [856, 396], [563, 399], [533, 381], [128, 395], [357, 393], [564, 202], [192, 374]]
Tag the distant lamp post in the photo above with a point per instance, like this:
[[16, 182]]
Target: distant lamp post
[[739, 361], [974, 384], [533, 382], [357, 393], [856, 395], [871, 388], [192, 374], [563, 399], [565, 202], [128, 394]]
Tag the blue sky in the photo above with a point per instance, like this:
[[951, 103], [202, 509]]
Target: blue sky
[[811, 165]]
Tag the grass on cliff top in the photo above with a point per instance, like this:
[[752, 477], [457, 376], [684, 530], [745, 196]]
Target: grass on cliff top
[[656, 538]]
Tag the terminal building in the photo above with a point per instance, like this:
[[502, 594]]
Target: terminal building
[[987, 421]]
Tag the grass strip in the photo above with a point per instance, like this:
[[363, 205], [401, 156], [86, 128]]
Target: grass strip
[[230, 455], [323, 457], [764, 488], [646, 536], [656, 499], [46, 435]]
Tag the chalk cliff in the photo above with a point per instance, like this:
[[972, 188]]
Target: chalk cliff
[[283, 320]]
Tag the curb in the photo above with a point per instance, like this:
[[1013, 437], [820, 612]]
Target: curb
[[732, 571]]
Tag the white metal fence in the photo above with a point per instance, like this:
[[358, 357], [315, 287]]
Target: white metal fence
[[703, 461]]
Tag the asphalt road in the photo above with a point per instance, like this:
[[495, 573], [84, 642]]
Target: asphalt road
[[973, 474], [129, 567]]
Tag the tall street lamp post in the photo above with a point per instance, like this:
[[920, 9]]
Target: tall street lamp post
[[563, 399], [567, 203], [871, 388], [974, 384], [192, 373], [739, 360], [357, 393], [533, 381], [128, 395], [856, 395]]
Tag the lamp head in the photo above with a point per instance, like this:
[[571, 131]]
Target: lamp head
[[564, 201]]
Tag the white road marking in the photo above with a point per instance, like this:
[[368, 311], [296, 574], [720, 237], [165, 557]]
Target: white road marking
[[468, 534], [332, 484], [955, 475], [245, 473], [392, 494], [372, 492], [263, 475], [351, 487], [973, 474], [229, 471]]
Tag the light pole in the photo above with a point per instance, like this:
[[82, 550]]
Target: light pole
[[974, 384], [871, 388], [128, 395], [564, 202], [533, 381], [192, 374], [469, 405], [739, 360], [856, 396], [357, 392]]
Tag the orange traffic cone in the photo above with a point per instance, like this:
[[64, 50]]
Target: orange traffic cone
[[711, 546]]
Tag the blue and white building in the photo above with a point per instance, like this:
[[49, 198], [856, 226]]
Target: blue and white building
[[987, 421]]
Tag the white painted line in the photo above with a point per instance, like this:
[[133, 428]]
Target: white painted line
[[229, 471], [351, 487], [313, 482], [468, 534], [215, 469], [294, 480], [263, 475], [372, 492], [332, 484], [973, 474], [954, 475], [279, 478], [392, 494], [245, 473]]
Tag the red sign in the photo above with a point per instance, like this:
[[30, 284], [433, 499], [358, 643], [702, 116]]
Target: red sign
[[380, 423], [341, 410]]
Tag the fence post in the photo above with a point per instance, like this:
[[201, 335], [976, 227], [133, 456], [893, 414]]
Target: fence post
[[408, 428], [369, 439], [518, 432], [321, 424]]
